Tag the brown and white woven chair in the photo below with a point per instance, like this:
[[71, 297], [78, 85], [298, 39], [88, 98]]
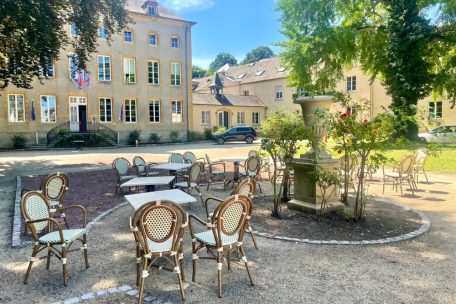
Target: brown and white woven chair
[[142, 168], [253, 153], [158, 228], [252, 168], [421, 156], [403, 172], [224, 232], [36, 212], [121, 167], [216, 171], [192, 179], [190, 157]]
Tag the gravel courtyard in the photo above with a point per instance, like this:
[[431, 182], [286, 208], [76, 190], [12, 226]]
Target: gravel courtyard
[[421, 270]]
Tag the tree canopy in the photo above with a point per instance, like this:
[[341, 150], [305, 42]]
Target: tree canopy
[[413, 54], [33, 32], [261, 52], [220, 60], [198, 72]]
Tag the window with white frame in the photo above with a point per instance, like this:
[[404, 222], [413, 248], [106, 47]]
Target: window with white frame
[[351, 83], [50, 73], [255, 118], [153, 39], [48, 108], [104, 68], [102, 33], [130, 110], [175, 42], [152, 10], [206, 117], [105, 109], [435, 109], [278, 93], [129, 67], [153, 71], [128, 36], [176, 73], [16, 111], [154, 111], [176, 110], [240, 118], [75, 73]]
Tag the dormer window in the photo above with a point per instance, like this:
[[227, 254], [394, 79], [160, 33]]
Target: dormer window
[[150, 7], [152, 10]]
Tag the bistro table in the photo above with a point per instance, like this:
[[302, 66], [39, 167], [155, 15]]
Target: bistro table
[[172, 168], [150, 182], [236, 162], [174, 195]]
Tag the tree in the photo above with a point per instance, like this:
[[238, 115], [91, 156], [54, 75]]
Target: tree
[[257, 54], [33, 32], [391, 40], [198, 72], [281, 135], [221, 60]]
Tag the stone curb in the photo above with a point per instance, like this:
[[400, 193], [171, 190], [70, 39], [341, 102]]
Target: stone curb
[[424, 227], [16, 231], [125, 289]]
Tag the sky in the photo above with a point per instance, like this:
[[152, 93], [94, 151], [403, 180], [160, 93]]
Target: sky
[[232, 26]]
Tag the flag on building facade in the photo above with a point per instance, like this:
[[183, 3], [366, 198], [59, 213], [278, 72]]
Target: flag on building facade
[[33, 111], [121, 114]]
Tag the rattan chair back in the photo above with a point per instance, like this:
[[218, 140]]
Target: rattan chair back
[[352, 162], [189, 157], [34, 206], [247, 187], [230, 216], [176, 158], [140, 165], [253, 153], [406, 165], [253, 165], [194, 172], [55, 185], [420, 152], [121, 166]]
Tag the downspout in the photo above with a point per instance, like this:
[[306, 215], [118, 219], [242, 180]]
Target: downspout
[[186, 82]]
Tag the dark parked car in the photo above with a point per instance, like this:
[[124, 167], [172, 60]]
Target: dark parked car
[[246, 134]]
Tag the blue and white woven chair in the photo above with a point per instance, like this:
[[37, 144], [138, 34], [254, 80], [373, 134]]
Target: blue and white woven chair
[[37, 215], [192, 179], [176, 158], [158, 228], [121, 167], [252, 168], [142, 168], [224, 232]]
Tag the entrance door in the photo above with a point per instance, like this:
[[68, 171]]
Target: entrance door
[[78, 116], [225, 119]]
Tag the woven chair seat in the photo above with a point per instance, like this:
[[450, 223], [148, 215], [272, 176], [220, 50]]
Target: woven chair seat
[[155, 247], [53, 203], [218, 172], [128, 177], [248, 174], [68, 235], [394, 175], [207, 237], [185, 184]]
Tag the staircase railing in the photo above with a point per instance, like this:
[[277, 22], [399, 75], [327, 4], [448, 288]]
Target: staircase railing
[[101, 128], [94, 127], [54, 132]]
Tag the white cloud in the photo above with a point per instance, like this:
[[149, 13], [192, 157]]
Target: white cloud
[[184, 5]]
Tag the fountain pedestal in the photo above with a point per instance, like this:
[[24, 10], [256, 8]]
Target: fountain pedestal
[[307, 195]]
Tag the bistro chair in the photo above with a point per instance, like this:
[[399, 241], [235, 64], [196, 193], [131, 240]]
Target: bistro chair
[[252, 170], [192, 179], [403, 173], [253, 153], [142, 168], [421, 157], [216, 171], [189, 157], [121, 166], [36, 212], [224, 231], [176, 158], [158, 228]]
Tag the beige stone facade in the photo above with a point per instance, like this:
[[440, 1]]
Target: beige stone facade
[[156, 39]]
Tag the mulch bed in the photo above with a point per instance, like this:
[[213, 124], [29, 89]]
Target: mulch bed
[[382, 220]]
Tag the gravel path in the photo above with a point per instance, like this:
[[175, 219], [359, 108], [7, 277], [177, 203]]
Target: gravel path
[[416, 271]]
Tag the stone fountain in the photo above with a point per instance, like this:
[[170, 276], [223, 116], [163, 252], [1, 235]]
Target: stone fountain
[[307, 195]]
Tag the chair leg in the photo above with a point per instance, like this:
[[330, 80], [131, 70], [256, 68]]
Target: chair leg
[[141, 284], [193, 261], [425, 175], [179, 277], [48, 259], [86, 254], [208, 183], [244, 259], [181, 262], [249, 228], [138, 264], [64, 266], [228, 258], [29, 269], [219, 267]]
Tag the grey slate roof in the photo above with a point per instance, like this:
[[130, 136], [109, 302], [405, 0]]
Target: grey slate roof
[[266, 69], [226, 100], [136, 6]]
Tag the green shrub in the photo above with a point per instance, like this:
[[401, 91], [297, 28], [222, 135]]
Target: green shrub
[[195, 136], [208, 134], [62, 132], [220, 130], [133, 137], [18, 141], [154, 138], [174, 136]]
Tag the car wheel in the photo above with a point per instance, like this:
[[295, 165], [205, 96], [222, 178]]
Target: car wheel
[[249, 139], [220, 141]]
